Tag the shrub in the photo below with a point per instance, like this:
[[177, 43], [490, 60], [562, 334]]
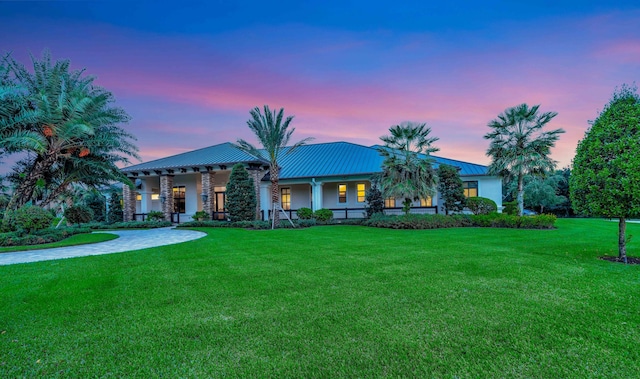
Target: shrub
[[492, 220], [130, 225], [481, 205], [78, 214], [30, 218], [39, 237], [305, 213], [544, 221], [155, 216], [510, 207], [323, 215]]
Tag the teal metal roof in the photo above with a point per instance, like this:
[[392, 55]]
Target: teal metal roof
[[466, 168], [307, 161], [329, 159], [223, 154]]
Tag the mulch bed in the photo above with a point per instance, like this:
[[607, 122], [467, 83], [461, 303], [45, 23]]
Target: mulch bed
[[630, 260]]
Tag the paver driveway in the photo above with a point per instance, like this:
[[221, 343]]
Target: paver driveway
[[129, 240]]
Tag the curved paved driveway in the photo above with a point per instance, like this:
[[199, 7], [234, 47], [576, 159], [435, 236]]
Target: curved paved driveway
[[129, 240]]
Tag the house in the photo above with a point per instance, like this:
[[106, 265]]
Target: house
[[332, 175]]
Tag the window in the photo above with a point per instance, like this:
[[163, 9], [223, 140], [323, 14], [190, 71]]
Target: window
[[138, 197], [470, 189], [285, 198], [361, 192], [390, 202], [179, 202], [426, 202], [155, 196], [342, 193]]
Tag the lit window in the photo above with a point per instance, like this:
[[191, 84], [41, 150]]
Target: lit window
[[285, 198], [361, 192], [390, 202], [426, 202], [179, 201], [155, 196], [342, 193], [470, 189], [139, 197]]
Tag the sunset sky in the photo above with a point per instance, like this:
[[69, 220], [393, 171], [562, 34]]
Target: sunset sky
[[188, 74]]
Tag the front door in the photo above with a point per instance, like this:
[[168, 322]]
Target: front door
[[220, 209]]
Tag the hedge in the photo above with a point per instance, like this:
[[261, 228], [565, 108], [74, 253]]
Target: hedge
[[42, 236], [493, 220]]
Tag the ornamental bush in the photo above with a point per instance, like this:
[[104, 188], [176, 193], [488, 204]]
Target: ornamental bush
[[481, 205], [30, 218], [323, 215], [39, 237], [510, 207], [305, 213], [155, 216], [78, 214]]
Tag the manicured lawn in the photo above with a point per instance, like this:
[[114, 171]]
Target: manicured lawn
[[77, 239], [335, 302]]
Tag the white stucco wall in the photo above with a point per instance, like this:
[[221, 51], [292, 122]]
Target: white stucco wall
[[489, 187]]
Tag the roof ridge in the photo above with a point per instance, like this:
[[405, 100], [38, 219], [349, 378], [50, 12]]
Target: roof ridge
[[193, 151]]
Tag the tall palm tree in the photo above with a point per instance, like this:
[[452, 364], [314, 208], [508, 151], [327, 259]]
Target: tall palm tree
[[75, 126], [274, 135], [519, 147], [407, 170]]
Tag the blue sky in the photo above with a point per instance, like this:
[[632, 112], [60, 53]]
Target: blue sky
[[188, 73]]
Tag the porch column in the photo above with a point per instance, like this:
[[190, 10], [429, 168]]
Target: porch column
[[265, 199], [256, 175], [208, 190], [145, 193], [166, 194], [317, 195], [129, 199]]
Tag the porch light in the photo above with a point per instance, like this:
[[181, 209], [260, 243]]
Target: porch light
[[205, 197]]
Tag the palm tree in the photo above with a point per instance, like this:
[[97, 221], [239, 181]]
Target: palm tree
[[519, 147], [407, 170], [273, 134], [75, 129]]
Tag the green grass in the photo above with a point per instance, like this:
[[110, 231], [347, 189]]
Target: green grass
[[76, 239], [335, 302]]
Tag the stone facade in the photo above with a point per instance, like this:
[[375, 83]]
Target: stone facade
[[129, 199], [208, 190], [166, 194]]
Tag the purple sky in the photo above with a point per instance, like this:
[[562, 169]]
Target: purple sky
[[188, 76]]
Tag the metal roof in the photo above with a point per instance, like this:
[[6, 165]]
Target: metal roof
[[307, 161], [466, 168], [329, 159], [223, 154]]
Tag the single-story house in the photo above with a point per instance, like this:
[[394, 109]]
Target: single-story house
[[333, 175]]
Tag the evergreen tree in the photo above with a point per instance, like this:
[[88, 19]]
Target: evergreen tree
[[241, 195], [97, 204], [450, 188], [115, 213], [605, 180], [375, 202]]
